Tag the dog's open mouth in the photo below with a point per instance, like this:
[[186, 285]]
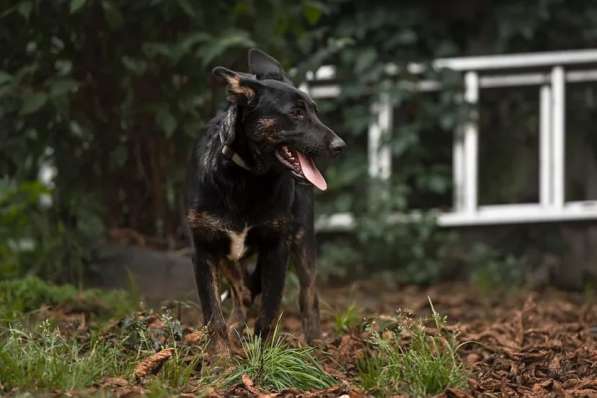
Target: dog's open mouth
[[301, 166]]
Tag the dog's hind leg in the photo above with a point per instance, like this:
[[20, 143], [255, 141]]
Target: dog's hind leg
[[304, 255], [253, 281], [241, 296]]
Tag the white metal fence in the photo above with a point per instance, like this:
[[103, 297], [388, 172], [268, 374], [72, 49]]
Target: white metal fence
[[549, 72]]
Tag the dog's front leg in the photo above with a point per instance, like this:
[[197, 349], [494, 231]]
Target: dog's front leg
[[304, 258], [206, 277], [272, 263]]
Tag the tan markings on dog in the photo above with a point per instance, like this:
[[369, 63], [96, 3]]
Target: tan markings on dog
[[235, 278], [266, 127], [205, 221], [280, 224], [235, 87], [237, 244], [266, 123]]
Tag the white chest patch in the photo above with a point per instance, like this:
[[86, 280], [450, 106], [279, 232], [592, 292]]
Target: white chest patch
[[237, 244]]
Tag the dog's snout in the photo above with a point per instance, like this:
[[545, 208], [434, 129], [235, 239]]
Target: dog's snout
[[337, 145]]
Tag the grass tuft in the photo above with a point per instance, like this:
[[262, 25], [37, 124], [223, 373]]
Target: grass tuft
[[413, 359], [347, 319], [44, 359], [275, 366]]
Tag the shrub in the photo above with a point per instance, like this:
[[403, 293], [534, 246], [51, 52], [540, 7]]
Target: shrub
[[491, 271]]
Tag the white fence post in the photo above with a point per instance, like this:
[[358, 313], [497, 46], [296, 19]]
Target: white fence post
[[546, 147], [471, 143], [558, 83], [379, 151]]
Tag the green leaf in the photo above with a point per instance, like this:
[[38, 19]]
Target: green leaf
[[166, 121], [63, 66], [216, 47], [366, 59], [113, 15], [118, 157], [33, 102], [137, 66], [62, 86], [312, 12], [76, 5], [186, 7], [193, 39], [4, 77], [24, 8]]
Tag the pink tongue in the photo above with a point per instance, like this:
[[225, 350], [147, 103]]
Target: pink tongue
[[311, 172]]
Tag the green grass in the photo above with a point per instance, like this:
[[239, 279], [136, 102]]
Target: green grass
[[275, 366], [39, 357], [19, 296], [43, 358], [413, 360], [347, 320], [369, 373]]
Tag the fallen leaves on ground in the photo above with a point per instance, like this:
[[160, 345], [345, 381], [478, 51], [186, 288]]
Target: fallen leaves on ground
[[541, 349]]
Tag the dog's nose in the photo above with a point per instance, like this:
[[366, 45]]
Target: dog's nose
[[337, 145]]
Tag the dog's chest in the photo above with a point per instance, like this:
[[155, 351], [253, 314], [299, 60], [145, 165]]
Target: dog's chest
[[234, 239], [238, 243]]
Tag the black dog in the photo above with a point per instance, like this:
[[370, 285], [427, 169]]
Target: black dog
[[250, 190]]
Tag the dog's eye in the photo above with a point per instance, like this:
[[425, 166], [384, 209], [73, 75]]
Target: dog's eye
[[298, 113]]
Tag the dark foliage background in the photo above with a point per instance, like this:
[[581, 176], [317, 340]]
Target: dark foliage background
[[111, 94]]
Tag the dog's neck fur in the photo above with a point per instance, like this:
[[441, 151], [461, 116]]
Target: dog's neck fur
[[240, 144], [236, 184]]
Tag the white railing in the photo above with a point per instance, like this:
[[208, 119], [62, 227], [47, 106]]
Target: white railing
[[549, 72]]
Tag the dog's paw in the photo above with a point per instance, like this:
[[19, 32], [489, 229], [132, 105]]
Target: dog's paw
[[218, 349]]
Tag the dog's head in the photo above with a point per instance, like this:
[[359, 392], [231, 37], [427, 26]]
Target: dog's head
[[280, 123]]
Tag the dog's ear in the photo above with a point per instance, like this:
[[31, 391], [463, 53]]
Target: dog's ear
[[241, 86], [265, 66]]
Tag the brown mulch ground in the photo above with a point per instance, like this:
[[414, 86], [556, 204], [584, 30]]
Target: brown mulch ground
[[522, 344]]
